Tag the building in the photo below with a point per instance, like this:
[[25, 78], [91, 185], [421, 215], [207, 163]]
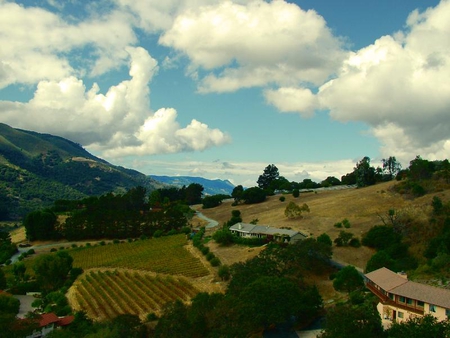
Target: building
[[265, 231], [47, 322], [401, 299]]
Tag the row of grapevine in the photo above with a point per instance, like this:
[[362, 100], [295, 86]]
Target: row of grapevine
[[163, 255], [106, 294]]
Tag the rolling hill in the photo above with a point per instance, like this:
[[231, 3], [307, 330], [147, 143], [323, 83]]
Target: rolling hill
[[37, 169]]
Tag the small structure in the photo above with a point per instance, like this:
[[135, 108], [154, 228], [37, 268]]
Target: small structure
[[401, 299], [265, 231], [47, 323]]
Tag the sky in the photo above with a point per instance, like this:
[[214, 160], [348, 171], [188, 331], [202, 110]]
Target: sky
[[221, 89]]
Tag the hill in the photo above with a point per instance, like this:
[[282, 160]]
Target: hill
[[37, 169], [212, 187], [363, 207]]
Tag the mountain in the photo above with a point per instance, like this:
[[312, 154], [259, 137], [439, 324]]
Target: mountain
[[212, 187], [37, 169]]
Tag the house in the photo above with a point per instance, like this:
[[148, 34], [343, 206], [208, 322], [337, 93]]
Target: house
[[401, 299], [47, 322], [265, 231]]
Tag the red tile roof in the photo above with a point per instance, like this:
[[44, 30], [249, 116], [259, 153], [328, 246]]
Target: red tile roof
[[66, 320], [48, 318]]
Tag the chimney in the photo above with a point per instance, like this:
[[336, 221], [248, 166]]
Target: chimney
[[239, 226], [403, 274]]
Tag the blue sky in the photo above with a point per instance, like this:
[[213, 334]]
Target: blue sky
[[221, 89]]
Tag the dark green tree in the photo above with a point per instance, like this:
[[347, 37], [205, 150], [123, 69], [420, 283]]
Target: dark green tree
[[40, 225], [270, 174], [237, 193], [51, 270], [365, 173], [254, 195], [353, 321], [419, 327], [391, 167], [325, 239], [379, 260], [194, 193], [348, 279]]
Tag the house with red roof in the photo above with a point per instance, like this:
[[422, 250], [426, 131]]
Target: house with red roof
[[401, 299], [48, 322]]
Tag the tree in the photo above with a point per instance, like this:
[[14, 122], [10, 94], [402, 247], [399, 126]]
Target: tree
[[51, 270], [223, 237], [237, 193], [419, 327], [344, 238], [293, 210], [365, 174], [194, 193], [353, 321], [295, 193], [381, 237], [348, 279], [391, 167], [254, 195], [270, 174], [330, 181], [40, 225], [2, 279], [379, 260], [325, 239]]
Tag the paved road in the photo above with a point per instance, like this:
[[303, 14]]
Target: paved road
[[212, 223]]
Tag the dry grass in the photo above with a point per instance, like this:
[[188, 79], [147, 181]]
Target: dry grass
[[362, 207]]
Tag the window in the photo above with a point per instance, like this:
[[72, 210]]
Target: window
[[432, 308], [400, 314], [402, 299], [391, 296], [409, 301], [447, 313], [420, 303]]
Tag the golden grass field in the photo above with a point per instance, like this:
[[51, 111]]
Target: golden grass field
[[362, 207]]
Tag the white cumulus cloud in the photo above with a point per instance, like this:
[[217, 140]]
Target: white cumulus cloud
[[117, 123], [400, 86], [253, 44]]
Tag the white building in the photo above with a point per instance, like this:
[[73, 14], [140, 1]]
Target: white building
[[265, 231]]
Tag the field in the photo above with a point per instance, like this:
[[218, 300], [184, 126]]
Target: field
[[363, 207], [166, 255], [104, 294]]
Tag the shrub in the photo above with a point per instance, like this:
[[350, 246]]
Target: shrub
[[355, 242], [116, 241], [296, 193], [53, 250], [31, 252], [158, 233], [205, 250], [325, 239], [346, 223], [102, 243], [338, 225], [215, 261], [282, 199], [224, 272], [210, 256]]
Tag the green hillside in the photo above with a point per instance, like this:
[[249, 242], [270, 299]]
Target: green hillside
[[37, 169]]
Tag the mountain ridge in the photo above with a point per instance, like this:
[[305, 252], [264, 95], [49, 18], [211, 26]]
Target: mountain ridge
[[211, 186]]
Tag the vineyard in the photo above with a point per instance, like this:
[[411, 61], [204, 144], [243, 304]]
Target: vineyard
[[166, 255], [105, 294]]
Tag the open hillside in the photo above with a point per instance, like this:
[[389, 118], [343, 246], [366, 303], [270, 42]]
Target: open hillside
[[37, 169], [363, 208]]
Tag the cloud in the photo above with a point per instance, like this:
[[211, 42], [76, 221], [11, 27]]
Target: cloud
[[253, 44], [399, 86], [117, 123], [36, 44], [293, 100]]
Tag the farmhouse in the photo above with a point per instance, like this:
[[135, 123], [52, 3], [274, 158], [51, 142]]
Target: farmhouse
[[47, 322], [401, 299], [265, 231]]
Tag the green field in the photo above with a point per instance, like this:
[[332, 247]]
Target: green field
[[162, 255], [105, 294]]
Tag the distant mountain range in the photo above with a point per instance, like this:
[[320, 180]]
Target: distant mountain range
[[37, 169], [212, 187]]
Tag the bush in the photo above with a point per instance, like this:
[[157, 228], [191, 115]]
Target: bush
[[116, 241], [215, 261], [354, 242], [338, 225], [158, 233], [102, 243], [31, 252], [224, 272], [53, 250], [210, 256], [346, 223], [282, 199], [205, 250]]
